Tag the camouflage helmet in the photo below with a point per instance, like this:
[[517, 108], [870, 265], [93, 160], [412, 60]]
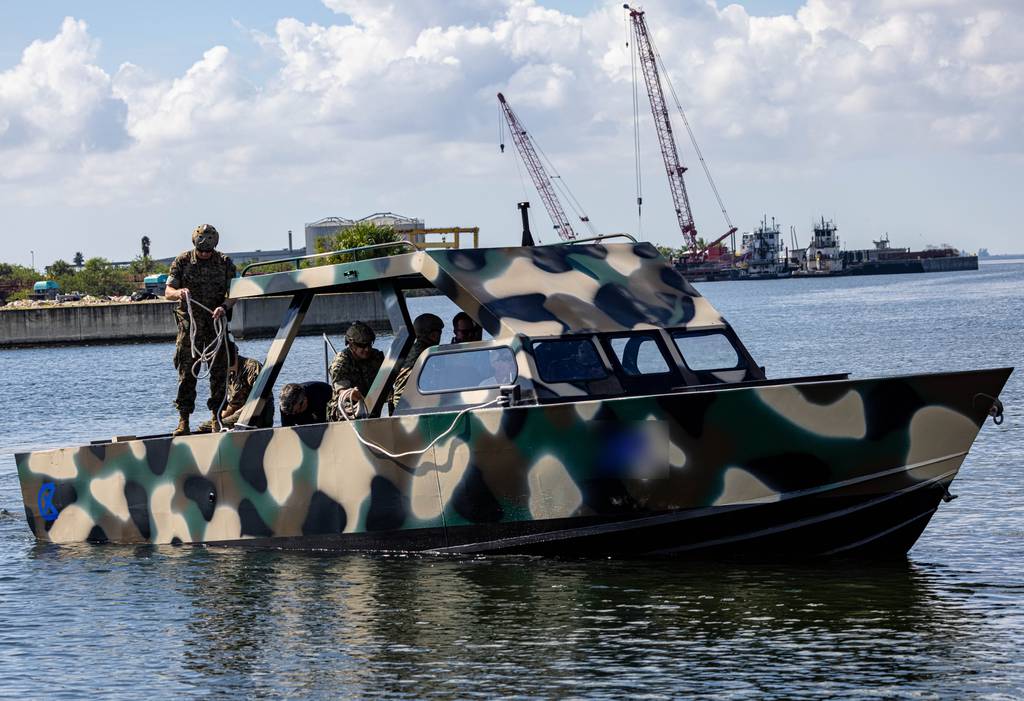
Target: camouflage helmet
[[360, 333], [425, 324], [291, 396], [205, 237]]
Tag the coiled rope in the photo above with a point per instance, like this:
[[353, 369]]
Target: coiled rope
[[209, 352], [345, 404]]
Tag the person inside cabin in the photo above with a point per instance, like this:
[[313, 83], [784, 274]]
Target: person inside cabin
[[428, 328], [242, 374], [464, 329], [199, 276], [471, 368], [353, 369], [305, 403], [503, 366]]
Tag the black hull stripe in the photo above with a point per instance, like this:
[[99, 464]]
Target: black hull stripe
[[927, 514], [664, 519]]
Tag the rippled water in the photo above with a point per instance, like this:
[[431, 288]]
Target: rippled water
[[118, 622]]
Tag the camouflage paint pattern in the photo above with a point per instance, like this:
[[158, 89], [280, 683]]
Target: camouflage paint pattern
[[614, 459], [538, 291], [558, 461]]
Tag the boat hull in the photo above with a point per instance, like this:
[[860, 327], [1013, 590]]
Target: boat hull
[[794, 469]]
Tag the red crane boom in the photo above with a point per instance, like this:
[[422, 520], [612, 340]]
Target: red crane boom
[[541, 180], [663, 126]]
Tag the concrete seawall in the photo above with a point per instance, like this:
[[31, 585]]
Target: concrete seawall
[[154, 321]]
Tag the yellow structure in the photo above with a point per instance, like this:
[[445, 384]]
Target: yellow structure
[[420, 236]]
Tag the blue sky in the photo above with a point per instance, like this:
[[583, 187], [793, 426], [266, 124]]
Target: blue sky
[[135, 118]]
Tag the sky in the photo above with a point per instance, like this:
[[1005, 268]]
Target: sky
[[119, 119]]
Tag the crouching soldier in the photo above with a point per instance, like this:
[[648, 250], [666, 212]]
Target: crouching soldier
[[242, 374], [304, 403], [354, 368]]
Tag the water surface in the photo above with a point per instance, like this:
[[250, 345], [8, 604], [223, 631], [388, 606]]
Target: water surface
[[121, 622]]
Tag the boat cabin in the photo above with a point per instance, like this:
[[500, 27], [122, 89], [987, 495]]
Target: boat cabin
[[568, 322]]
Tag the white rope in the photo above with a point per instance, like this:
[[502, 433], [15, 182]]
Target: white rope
[[346, 397], [209, 353]]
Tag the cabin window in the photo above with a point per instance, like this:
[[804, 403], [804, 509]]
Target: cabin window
[[639, 355], [568, 360], [706, 351], [468, 370]]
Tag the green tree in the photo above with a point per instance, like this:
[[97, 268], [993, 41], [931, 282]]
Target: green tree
[[361, 234], [59, 268], [79, 259], [17, 275], [144, 265], [100, 278]]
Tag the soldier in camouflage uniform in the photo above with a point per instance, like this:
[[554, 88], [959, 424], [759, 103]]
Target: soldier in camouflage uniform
[[427, 328], [242, 375], [354, 368], [204, 273]]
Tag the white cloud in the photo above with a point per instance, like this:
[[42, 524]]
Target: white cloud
[[406, 91], [56, 101]]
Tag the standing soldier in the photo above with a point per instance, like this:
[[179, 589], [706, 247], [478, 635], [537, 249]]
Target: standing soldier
[[203, 274], [354, 368]]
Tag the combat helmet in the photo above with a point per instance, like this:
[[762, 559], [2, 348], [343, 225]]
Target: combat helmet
[[360, 333], [205, 237]]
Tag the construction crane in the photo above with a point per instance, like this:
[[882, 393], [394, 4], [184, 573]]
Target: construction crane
[[674, 167], [541, 180]]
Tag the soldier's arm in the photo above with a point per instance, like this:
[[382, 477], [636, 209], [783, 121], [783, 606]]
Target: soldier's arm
[[341, 372], [174, 287]]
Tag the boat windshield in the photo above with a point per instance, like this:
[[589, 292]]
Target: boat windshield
[[706, 351], [461, 370], [568, 360]]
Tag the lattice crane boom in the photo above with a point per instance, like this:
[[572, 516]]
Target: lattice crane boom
[[663, 126], [540, 177]]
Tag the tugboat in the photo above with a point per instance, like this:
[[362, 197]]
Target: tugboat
[[762, 256], [632, 422], [823, 256]]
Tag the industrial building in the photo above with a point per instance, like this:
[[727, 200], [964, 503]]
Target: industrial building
[[331, 225]]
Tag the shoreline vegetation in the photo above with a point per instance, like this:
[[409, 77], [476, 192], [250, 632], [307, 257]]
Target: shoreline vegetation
[[99, 281]]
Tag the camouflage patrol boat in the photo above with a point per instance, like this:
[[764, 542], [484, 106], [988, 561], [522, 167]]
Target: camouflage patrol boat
[[628, 420]]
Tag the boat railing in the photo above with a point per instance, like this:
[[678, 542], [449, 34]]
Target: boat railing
[[344, 251], [329, 352], [594, 238]]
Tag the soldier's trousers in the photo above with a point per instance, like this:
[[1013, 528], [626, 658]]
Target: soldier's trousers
[[185, 402]]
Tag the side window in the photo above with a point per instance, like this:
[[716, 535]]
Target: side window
[[711, 351], [465, 370], [571, 360], [639, 355]]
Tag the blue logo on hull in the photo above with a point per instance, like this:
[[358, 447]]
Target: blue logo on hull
[[47, 510]]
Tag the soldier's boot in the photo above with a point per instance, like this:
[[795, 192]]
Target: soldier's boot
[[208, 426], [182, 429]]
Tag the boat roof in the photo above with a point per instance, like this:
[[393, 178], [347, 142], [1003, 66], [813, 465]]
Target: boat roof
[[532, 290]]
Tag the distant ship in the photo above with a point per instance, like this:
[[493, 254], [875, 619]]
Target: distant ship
[[883, 259], [761, 254], [823, 256]]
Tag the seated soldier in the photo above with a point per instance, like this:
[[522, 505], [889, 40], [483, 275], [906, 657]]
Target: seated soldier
[[354, 369], [304, 403], [427, 328], [464, 329], [503, 365], [242, 374]]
